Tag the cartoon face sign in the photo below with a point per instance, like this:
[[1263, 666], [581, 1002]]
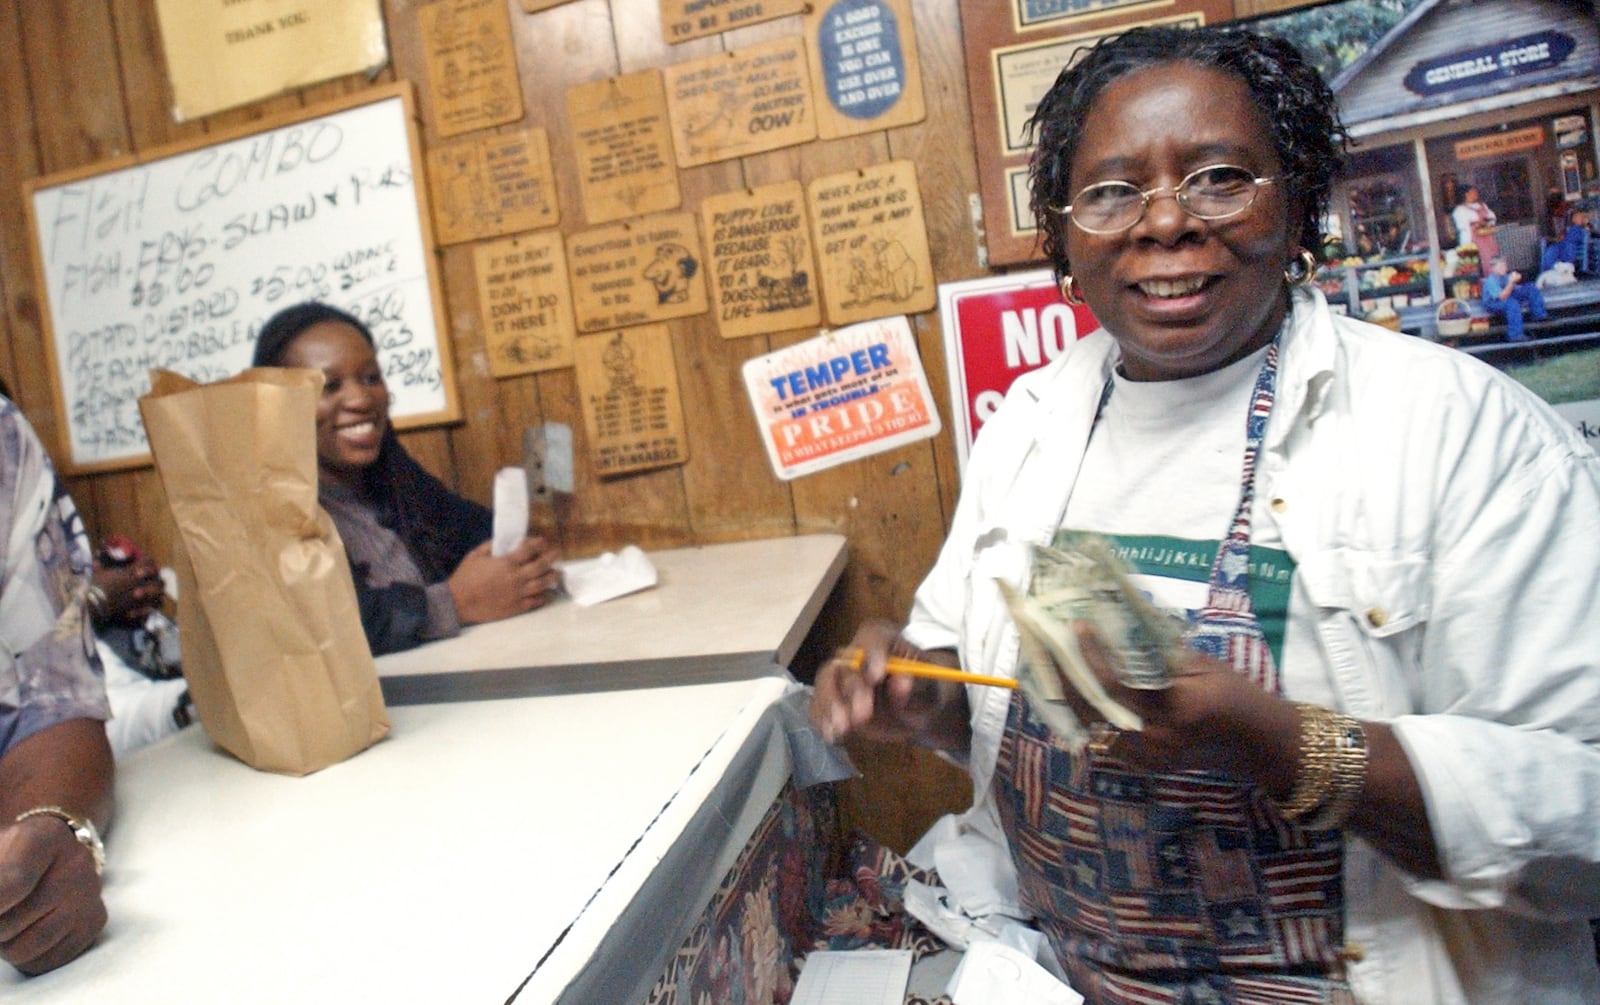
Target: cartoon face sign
[[670, 271]]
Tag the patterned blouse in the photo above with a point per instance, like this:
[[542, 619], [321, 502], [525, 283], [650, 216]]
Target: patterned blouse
[[49, 672]]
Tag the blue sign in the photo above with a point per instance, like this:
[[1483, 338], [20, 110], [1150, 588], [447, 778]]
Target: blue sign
[[862, 65], [1515, 57]]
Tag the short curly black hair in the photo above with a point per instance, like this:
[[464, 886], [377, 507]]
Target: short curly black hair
[[1307, 134]]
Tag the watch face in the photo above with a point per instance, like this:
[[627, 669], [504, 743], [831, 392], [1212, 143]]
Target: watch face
[[87, 836]]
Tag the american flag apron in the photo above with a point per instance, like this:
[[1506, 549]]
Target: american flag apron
[[1186, 887]]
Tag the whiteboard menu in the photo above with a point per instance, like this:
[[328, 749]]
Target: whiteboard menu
[[173, 259]]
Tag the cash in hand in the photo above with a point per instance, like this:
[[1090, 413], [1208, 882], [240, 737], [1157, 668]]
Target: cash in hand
[[1087, 582]]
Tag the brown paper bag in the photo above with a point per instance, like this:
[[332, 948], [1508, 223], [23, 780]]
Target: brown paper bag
[[277, 663]]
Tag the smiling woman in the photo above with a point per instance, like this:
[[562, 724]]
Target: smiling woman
[[353, 413], [1375, 775], [419, 552], [1229, 195]]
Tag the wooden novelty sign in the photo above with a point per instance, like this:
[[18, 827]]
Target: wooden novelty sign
[[499, 183], [525, 303], [762, 270], [632, 409], [864, 62], [741, 102], [635, 273], [624, 146], [872, 244], [472, 64], [222, 54], [844, 395], [682, 20]]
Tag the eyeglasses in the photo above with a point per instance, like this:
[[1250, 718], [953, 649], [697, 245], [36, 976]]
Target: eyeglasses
[[1210, 193]]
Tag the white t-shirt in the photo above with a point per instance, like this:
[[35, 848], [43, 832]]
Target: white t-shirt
[[1161, 479]]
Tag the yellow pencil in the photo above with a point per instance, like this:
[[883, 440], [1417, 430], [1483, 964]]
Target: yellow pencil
[[933, 671]]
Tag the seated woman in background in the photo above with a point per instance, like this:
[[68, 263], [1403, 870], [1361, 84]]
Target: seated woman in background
[[419, 552]]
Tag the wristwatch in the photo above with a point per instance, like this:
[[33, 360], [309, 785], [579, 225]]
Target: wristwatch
[[82, 829]]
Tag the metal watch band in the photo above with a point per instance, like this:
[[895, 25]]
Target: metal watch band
[[83, 830]]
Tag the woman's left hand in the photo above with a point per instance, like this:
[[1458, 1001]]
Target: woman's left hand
[[1211, 718], [1215, 719], [488, 587]]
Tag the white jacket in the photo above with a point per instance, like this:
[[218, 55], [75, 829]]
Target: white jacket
[[1445, 525]]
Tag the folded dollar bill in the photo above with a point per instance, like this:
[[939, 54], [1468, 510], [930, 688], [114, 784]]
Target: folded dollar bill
[[1087, 582]]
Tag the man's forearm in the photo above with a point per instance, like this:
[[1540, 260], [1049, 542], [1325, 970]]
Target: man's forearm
[[67, 765]]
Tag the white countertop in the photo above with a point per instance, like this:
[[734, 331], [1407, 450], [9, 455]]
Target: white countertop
[[441, 865], [718, 612]]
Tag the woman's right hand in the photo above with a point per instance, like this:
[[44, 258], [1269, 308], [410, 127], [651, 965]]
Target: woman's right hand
[[488, 588], [858, 696]]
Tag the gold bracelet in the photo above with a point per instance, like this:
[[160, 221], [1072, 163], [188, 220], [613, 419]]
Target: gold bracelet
[[1332, 768], [82, 828], [1349, 773]]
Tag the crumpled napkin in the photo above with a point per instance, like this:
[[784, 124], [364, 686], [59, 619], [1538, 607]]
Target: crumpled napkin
[[606, 577]]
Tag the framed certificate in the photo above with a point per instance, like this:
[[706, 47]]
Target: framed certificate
[[1015, 50]]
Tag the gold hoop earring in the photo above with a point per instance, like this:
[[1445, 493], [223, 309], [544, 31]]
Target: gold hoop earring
[[1302, 270], [1069, 292]]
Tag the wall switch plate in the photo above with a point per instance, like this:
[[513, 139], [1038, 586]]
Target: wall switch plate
[[547, 458]]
